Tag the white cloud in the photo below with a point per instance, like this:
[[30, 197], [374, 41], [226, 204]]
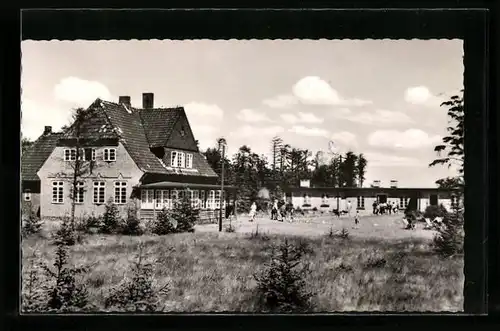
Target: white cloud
[[81, 92], [206, 122], [257, 132], [281, 101], [301, 118], [252, 116], [420, 95], [377, 117], [195, 109], [311, 132], [312, 90], [409, 139], [34, 117], [344, 138], [203, 129], [386, 160]]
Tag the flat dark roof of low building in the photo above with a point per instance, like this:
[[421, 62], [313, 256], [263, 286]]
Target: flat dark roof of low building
[[369, 189]]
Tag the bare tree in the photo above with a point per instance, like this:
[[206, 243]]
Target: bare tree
[[82, 161]]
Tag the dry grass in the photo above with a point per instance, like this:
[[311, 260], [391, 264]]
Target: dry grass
[[210, 271]]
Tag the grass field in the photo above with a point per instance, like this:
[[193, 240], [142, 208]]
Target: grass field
[[381, 268]]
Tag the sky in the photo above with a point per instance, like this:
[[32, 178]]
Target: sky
[[377, 97]]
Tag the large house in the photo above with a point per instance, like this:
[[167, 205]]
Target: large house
[[144, 156], [362, 198]]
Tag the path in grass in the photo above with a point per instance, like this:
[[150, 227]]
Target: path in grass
[[387, 226]]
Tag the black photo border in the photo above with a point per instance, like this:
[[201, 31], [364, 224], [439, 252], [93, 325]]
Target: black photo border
[[467, 20]]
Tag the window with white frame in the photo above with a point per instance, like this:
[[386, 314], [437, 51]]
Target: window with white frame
[[162, 199], [324, 199], [210, 200], [180, 160], [109, 154], [307, 199], [173, 159], [147, 199], [58, 192], [69, 154], [166, 199], [189, 161], [361, 203], [195, 199], [158, 199], [80, 192], [120, 192], [81, 154], [27, 195], [217, 199], [454, 201], [89, 154], [403, 202], [174, 196], [202, 199], [99, 192]]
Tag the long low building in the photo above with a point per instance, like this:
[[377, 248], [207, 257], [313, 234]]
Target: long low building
[[362, 198]]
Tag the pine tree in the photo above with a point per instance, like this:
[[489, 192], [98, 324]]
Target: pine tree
[[110, 218], [185, 215]]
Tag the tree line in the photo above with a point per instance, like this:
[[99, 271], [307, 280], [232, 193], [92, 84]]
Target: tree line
[[250, 172]]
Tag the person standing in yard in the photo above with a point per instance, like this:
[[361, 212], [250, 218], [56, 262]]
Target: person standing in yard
[[374, 205], [274, 210], [349, 207], [356, 219], [253, 211]]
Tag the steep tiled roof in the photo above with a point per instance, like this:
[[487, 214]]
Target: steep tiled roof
[[137, 129], [134, 126], [158, 124], [37, 154]]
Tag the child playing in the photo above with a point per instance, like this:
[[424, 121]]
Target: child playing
[[253, 211], [356, 219]]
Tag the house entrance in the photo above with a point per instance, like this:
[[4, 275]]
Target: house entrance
[[433, 200], [382, 198]]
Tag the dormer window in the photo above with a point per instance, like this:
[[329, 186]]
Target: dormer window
[[70, 154], [109, 154], [181, 160], [89, 154]]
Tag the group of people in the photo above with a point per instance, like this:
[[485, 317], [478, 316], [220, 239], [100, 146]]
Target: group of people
[[280, 211], [385, 208]]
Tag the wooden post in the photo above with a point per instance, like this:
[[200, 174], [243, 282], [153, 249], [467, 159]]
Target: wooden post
[[154, 204], [221, 189]]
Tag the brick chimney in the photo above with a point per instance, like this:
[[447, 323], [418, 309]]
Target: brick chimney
[[147, 100], [47, 130], [124, 100]]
